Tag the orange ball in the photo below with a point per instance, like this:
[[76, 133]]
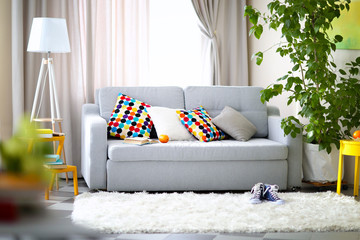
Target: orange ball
[[356, 134], [164, 138]]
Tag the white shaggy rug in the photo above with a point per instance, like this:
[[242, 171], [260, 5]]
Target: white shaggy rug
[[189, 213]]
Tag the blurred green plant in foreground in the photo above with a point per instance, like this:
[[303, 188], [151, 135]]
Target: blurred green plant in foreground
[[16, 156]]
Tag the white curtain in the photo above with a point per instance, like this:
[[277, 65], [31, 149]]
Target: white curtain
[[131, 42], [207, 12], [91, 63], [225, 55], [233, 43], [17, 60]]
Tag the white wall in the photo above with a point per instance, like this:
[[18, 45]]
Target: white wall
[[5, 70], [274, 66]]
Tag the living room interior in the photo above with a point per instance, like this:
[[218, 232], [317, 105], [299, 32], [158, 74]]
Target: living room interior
[[161, 52]]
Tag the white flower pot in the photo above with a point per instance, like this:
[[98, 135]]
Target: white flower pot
[[319, 166]]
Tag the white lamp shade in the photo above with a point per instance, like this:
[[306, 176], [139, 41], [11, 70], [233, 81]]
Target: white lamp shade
[[49, 35]]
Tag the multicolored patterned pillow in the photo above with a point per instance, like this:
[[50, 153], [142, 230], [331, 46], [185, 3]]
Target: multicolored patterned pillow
[[198, 123], [129, 118]]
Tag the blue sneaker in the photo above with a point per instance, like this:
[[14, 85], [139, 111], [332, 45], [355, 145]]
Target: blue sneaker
[[270, 194], [257, 192]]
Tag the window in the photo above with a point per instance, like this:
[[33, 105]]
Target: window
[[174, 44]]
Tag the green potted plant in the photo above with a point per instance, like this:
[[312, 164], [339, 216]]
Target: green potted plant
[[17, 160], [22, 175], [328, 97]]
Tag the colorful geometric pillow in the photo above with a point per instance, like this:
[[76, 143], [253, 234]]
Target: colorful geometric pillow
[[129, 118], [198, 123]]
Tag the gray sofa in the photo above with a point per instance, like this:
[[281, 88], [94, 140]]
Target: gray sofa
[[268, 157]]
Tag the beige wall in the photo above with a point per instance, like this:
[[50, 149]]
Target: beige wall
[[274, 66], [5, 70]]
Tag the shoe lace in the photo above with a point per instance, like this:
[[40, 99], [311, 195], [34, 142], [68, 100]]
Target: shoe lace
[[256, 190], [272, 189]]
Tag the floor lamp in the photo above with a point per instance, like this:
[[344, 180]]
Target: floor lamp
[[47, 35]]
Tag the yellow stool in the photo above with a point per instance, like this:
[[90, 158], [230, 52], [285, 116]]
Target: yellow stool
[[69, 168], [351, 148]]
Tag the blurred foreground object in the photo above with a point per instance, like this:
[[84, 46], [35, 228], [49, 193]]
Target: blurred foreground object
[[22, 176]]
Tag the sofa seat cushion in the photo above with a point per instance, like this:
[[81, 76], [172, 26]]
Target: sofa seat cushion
[[254, 149]]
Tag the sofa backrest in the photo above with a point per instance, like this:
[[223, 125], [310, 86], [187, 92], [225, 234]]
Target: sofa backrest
[[244, 99], [213, 98], [171, 97]]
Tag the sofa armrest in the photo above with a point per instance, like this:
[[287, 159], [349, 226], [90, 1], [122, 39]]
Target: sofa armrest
[[273, 111], [93, 147], [295, 148]]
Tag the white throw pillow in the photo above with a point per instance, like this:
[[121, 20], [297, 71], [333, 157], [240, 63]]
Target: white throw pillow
[[234, 124], [166, 121]]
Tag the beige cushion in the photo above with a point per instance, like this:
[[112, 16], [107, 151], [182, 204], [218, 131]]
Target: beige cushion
[[234, 124], [166, 122]]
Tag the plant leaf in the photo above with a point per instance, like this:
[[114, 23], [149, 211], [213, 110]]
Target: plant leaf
[[258, 31], [338, 38], [259, 58], [296, 67]]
